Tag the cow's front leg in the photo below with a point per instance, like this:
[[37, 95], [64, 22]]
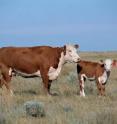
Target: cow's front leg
[[45, 79], [49, 86], [54, 94], [100, 87], [103, 90]]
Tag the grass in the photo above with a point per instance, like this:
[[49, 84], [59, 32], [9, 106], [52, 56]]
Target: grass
[[68, 107]]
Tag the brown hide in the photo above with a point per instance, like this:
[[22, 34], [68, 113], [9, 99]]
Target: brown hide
[[90, 68], [29, 60]]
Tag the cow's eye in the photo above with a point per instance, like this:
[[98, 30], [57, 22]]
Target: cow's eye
[[70, 51]]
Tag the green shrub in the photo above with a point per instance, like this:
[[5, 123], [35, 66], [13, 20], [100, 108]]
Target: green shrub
[[35, 109]]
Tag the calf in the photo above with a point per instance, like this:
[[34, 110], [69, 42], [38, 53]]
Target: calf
[[42, 61], [99, 72]]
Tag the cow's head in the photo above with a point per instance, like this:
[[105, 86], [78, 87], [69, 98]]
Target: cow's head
[[71, 53], [108, 64]]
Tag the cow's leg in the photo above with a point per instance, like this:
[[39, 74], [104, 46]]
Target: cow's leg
[[81, 84], [1, 82], [49, 85], [1, 76], [45, 79], [103, 90], [100, 87], [6, 79]]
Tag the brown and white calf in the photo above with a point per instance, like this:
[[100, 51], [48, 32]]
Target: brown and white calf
[[99, 72], [43, 61]]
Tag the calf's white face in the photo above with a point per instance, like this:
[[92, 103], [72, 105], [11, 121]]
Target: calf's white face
[[71, 53], [108, 64]]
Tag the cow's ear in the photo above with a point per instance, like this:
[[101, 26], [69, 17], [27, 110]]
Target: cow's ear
[[114, 64], [64, 49], [76, 46], [101, 61]]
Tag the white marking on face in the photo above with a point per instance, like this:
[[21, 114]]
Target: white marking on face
[[71, 54], [53, 73], [108, 64], [102, 79]]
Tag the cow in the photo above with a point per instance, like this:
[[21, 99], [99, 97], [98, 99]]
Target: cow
[[42, 61], [94, 71]]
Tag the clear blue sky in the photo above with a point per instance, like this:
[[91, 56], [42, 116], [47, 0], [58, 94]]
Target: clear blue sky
[[90, 23]]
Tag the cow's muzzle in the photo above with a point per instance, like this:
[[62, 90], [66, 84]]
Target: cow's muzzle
[[79, 59]]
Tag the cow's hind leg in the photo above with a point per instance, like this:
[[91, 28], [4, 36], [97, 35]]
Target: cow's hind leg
[[1, 82], [6, 79], [81, 84]]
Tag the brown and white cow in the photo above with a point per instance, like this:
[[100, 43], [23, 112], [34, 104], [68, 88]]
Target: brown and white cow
[[43, 61], [99, 72]]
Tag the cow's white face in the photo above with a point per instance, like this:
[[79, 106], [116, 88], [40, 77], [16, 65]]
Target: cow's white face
[[71, 53], [108, 64]]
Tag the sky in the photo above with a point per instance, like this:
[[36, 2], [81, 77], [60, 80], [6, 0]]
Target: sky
[[90, 23]]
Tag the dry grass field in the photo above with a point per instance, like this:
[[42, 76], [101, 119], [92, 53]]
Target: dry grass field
[[68, 107]]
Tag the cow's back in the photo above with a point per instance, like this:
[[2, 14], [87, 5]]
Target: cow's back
[[30, 59]]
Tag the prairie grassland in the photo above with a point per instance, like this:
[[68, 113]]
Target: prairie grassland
[[68, 107]]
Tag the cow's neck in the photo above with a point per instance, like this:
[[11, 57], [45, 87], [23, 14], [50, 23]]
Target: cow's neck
[[54, 72], [59, 59]]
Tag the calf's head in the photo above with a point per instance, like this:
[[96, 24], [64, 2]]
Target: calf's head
[[71, 53], [108, 64]]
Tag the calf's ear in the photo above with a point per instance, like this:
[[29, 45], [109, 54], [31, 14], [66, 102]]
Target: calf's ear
[[114, 64], [76, 46]]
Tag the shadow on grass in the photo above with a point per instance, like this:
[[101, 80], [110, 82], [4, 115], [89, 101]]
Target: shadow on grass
[[30, 92]]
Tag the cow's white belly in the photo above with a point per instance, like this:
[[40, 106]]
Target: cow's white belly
[[52, 73], [25, 74]]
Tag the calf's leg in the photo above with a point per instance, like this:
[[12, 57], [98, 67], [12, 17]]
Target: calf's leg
[[81, 85], [101, 88]]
